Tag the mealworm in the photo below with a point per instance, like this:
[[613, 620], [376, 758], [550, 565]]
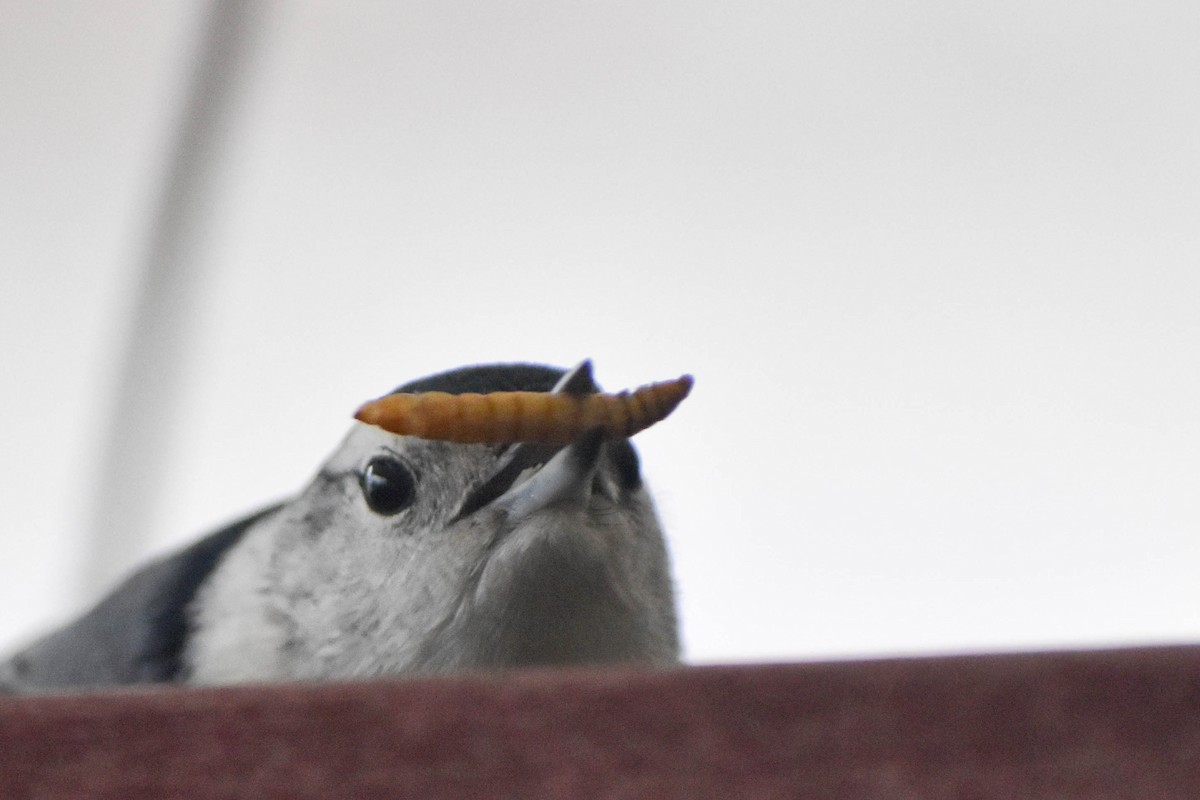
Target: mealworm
[[501, 417]]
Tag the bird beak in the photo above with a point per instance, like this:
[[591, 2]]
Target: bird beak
[[520, 459], [566, 477]]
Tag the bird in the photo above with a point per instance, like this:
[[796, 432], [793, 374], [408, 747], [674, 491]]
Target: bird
[[401, 557]]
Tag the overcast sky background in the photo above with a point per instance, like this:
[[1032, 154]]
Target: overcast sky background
[[935, 267]]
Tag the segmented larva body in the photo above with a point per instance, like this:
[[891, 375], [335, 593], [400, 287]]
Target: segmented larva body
[[501, 417]]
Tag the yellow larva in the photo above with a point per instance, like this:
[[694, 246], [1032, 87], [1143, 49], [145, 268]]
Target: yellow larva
[[501, 417]]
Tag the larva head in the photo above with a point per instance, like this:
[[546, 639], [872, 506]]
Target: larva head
[[409, 555]]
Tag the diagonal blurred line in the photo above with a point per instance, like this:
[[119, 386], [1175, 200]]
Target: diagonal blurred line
[[139, 439]]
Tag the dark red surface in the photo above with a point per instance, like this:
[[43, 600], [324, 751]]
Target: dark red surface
[[1117, 724]]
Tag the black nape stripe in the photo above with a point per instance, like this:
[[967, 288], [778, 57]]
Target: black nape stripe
[[488, 378], [161, 658]]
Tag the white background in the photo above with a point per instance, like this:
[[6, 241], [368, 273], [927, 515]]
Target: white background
[[935, 267]]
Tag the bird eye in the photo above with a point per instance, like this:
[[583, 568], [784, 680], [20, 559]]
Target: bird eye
[[388, 485]]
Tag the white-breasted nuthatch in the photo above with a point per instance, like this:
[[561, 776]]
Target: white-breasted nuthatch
[[402, 556]]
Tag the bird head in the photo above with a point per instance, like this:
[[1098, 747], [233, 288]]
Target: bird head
[[406, 555]]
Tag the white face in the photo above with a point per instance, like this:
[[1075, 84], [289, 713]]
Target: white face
[[342, 570], [367, 572]]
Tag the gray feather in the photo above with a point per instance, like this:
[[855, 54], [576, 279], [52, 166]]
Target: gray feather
[[134, 635]]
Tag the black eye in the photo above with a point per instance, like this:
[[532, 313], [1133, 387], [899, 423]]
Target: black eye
[[388, 485]]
